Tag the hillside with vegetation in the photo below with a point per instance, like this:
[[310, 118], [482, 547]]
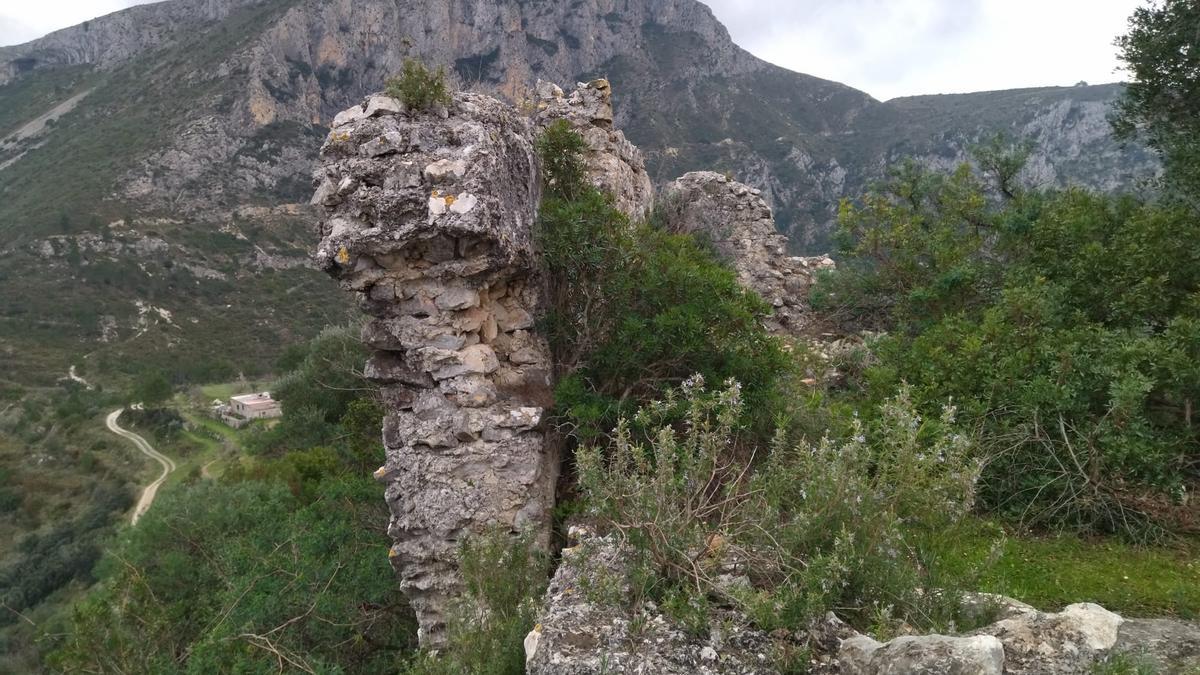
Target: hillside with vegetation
[[191, 146], [997, 392]]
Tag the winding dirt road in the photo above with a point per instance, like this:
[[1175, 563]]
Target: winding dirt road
[[168, 465]]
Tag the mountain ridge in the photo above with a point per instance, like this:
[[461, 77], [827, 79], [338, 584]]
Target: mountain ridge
[[178, 175]]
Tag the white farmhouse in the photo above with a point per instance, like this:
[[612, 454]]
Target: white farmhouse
[[255, 406]]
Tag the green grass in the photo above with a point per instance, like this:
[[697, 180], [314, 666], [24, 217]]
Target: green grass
[[221, 391], [1050, 572]]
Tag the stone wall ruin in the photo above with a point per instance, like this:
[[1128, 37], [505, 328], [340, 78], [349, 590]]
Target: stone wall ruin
[[429, 220]]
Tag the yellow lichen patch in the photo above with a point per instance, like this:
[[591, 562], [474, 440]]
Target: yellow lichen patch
[[450, 199], [392, 553], [341, 137], [343, 256], [436, 194]]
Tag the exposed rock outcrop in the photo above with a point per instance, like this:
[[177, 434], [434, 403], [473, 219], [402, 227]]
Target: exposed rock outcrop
[[736, 220], [1169, 645], [588, 626], [1069, 641], [429, 222], [614, 164], [1024, 641], [923, 655]]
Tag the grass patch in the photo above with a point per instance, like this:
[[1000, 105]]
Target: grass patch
[[1050, 572]]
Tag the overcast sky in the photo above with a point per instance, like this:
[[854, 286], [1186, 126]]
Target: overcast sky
[[887, 48]]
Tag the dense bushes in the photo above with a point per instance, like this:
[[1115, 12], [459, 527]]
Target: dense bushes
[[635, 310], [1162, 52], [1066, 325], [323, 382], [284, 561], [243, 577], [504, 578]]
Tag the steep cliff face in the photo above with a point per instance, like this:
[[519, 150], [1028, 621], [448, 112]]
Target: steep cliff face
[[113, 40]]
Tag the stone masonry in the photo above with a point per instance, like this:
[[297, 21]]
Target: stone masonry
[[736, 220], [428, 221]]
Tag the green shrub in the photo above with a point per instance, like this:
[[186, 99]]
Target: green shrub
[[418, 87], [563, 170], [325, 383], [858, 525], [1066, 326], [635, 310], [242, 577]]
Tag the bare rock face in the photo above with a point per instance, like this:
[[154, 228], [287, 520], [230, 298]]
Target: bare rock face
[[429, 222], [587, 626], [1170, 646], [736, 220], [614, 164]]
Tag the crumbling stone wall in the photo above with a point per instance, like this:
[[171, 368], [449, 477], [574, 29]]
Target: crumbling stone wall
[[429, 219], [613, 163], [736, 220]]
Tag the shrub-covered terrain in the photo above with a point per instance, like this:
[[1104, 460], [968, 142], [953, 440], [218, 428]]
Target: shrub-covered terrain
[[1028, 386], [1066, 326]]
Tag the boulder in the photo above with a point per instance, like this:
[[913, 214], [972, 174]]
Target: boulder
[[588, 626], [923, 655], [1170, 646], [1069, 641]]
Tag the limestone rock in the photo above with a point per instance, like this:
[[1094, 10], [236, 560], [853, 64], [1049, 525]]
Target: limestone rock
[[923, 655], [614, 164], [1067, 642], [1169, 645], [736, 220], [429, 223], [1024, 641], [589, 632]]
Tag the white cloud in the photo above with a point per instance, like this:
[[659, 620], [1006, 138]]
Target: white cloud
[[894, 48], [25, 20]]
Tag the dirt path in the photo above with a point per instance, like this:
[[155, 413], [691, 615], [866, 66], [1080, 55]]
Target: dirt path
[[168, 465]]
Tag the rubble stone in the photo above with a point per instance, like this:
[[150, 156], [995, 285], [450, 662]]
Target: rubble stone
[[737, 222], [429, 223]]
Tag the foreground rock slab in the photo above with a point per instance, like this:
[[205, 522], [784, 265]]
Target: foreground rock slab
[[923, 655], [1170, 646], [1024, 641], [429, 219], [588, 627]]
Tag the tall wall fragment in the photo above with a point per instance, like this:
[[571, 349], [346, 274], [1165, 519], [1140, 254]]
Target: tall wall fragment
[[736, 220], [429, 221], [614, 164]]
